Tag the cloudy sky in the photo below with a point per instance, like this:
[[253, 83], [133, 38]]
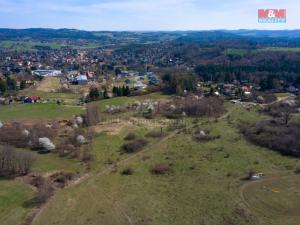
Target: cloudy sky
[[144, 14]]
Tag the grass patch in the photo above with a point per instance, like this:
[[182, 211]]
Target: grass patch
[[280, 49], [25, 112], [51, 162], [13, 194]]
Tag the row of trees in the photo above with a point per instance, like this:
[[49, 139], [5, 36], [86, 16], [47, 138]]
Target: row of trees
[[95, 94], [14, 162], [121, 91]]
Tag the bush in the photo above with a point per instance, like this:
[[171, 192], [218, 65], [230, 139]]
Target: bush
[[297, 170], [274, 135], [160, 169], [45, 191], [127, 171], [60, 179], [204, 136], [130, 137], [134, 146], [155, 134]]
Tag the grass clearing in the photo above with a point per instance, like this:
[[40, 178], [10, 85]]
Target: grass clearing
[[39, 111]]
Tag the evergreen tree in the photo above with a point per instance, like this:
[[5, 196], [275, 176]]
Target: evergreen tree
[[3, 86], [115, 91], [105, 94], [127, 91], [94, 94], [11, 84], [123, 91], [23, 85]]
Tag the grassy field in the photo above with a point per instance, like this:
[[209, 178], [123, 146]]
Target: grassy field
[[281, 49], [66, 98], [121, 101], [27, 45], [236, 51], [27, 112], [241, 52], [31, 45], [203, 186], [13, 194]]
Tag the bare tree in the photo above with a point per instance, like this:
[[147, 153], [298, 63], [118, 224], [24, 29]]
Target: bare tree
[[286, 115], [92, 114], [14, 162]]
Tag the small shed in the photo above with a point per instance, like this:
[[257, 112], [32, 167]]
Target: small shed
[[127, 81], [139, 85]]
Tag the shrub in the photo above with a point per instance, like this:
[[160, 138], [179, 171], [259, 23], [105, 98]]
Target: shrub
[[127, 171], [200, 137], [297, 170], [155, 134], [134, 146], [130, 137], [274, 135], [204, 136], [45, 191], [61, 179], [160, 169]]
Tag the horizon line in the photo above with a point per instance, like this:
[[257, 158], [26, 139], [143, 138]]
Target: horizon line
[[179, 30]]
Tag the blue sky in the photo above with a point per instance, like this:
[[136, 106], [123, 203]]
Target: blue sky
[[144, 14]]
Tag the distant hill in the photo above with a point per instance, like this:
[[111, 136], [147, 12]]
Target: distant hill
[[248, 37]]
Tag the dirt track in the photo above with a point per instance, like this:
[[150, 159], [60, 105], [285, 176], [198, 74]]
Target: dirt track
[[251, 184]]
